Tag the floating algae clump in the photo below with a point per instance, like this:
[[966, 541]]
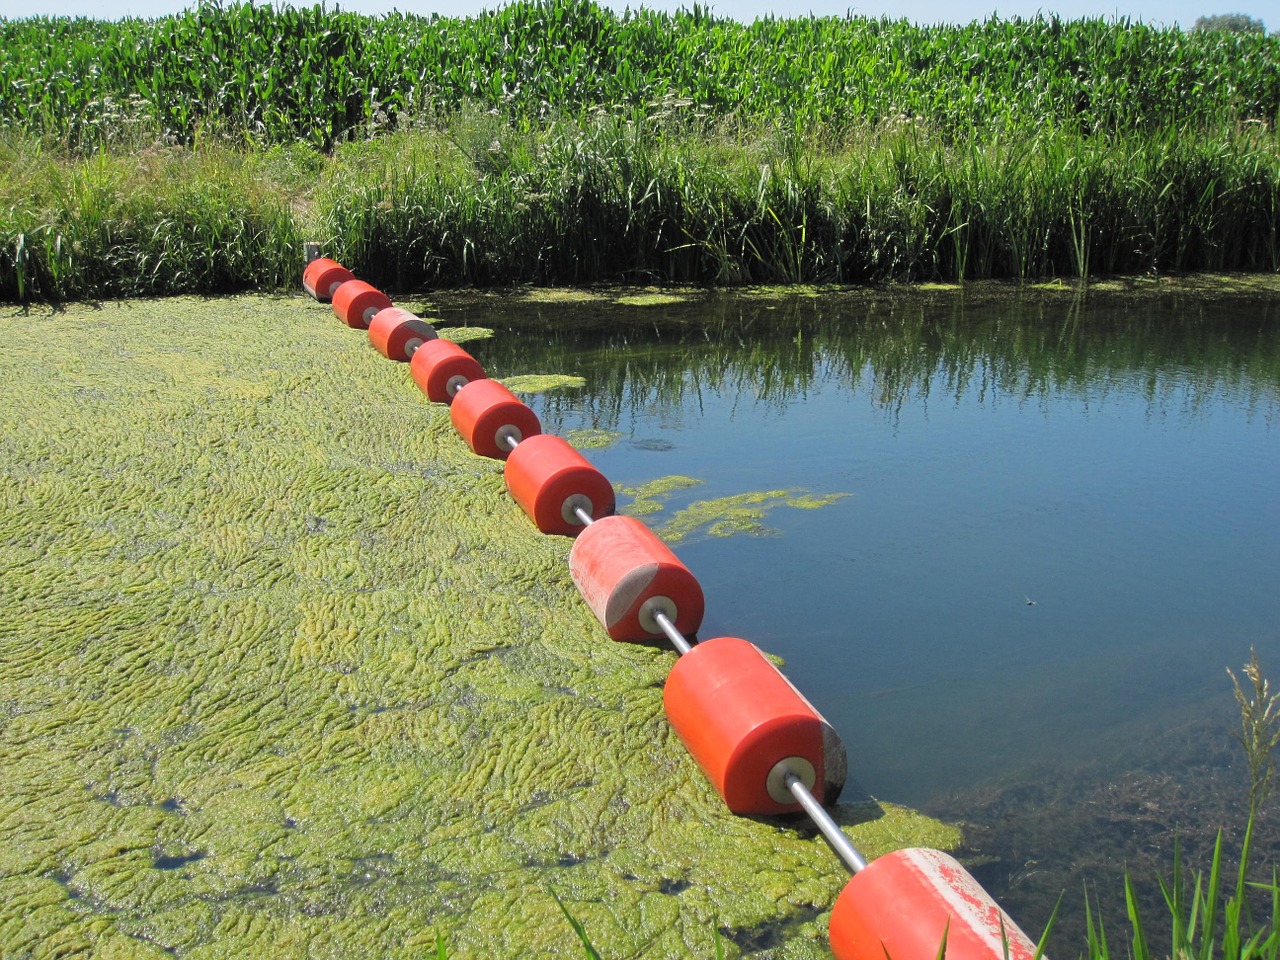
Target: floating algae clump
[[465, 334], [651, 299], [563, 295], [287, 674], [542, 382], [648, 497], [593, 439], [739, 513], [718, 517]]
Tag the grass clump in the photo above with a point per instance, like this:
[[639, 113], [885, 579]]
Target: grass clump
[[162, 221]]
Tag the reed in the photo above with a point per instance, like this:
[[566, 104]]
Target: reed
[[618, 200], [478, 201], [163, 221]]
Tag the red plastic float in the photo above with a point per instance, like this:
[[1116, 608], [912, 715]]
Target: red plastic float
[[548, 478], [626, 573], [397, 333], [323, 276], [441, 368], [903, 903], [486, 415], [356, 303], [746, 725]]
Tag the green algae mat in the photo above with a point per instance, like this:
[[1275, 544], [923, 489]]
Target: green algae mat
[[285, 673]]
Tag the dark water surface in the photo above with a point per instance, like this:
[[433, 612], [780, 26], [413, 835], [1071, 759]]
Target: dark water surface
[[1116, 463]]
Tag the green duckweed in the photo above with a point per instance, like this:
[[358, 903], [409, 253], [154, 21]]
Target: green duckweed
[[287, 674], [718, 517], [542, 382], [650, 299], [647, 498], [593, 439], [465, 334]]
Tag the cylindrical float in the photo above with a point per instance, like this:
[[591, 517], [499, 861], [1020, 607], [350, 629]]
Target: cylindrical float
[[626, 574], [356, 303], [441, 368], [548, 478], [902, 904], [487, 416], [747, 726], [323, 276], [397, 333]]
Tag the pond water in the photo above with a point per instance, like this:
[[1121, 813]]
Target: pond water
[[1060, 521]]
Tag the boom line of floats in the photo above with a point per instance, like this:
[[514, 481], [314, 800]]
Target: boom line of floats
[[762, 745]]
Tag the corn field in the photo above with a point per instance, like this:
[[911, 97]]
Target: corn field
[[318, 76]]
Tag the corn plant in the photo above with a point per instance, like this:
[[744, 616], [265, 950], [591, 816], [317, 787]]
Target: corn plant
[[283, 74]]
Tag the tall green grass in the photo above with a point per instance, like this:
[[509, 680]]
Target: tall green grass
[[605, 201], [164, 221], [477, 201]]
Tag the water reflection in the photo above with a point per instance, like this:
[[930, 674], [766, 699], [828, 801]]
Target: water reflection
[[776, 353]]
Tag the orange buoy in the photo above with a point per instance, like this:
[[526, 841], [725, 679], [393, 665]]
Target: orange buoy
[[356, 303], [397, 333], [548, 478], [902, 904], [627, 574], [488, 417], [441, 368], [323, 276], [747, 726]]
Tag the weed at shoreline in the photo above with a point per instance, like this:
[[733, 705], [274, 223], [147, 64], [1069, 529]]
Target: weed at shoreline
[[608, 201]]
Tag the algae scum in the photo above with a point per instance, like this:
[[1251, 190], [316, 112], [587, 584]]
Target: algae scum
[[285, 673]]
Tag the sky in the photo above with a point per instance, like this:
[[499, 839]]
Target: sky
[[1166, 12]]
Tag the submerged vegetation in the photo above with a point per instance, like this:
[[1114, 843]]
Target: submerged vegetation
[[1175, 860], [557, 142]]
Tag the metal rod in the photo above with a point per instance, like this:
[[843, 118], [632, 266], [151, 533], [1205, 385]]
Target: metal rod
[[830, 829], [586, 518], [675, 636], [511, 441]]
